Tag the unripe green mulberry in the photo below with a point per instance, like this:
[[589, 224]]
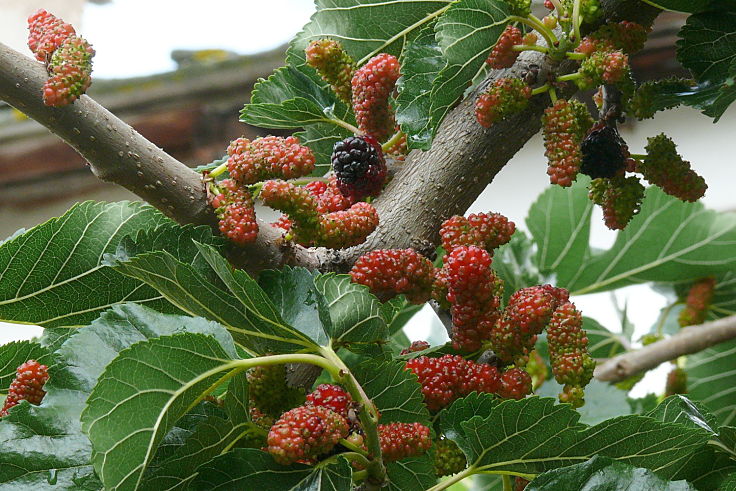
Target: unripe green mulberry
[[269, 392], [663, 167], [448, 458], [506, 96], [619, 197], [564, 126], [334, 65]]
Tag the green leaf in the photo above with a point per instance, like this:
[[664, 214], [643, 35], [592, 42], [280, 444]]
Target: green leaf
[[679, 409], [321, 138], [730, 483], [466, 33], [366, 28], [710, 376], [602, 401], [421, 62], [411, 473], [13, 355], [53, 275], [707, 45], [668, 241], [290, 99], [689, 6], [354, 311], [246, 468], [604, 474], [39, 441], [240, 305], [211, 438], [395, 391], [551, 437], [141, 394], [299, 301], [602, 343]]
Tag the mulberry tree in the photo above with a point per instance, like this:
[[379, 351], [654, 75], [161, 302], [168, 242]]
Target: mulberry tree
[[189, 344]]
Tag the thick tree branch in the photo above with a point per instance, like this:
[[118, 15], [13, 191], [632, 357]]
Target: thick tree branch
[[689, 340]]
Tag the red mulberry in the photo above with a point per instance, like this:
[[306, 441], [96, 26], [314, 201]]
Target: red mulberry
[[27, 385], [402, 440], [486, 230], [505, 97], [676, 382], [333, 64], [626, 36], [391, 272], [663, 167], [503, 54], [332, 397], [698, 300], [234, 208], [372, 86], [347, 228], [516, 383], [304, 433], [564, 126], [46, 34], [270, 157]]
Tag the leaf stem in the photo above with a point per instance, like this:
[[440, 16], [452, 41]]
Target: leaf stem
[[360, 475], [307, 180], [569, 77], [525, 47], [454, 479], [392, 141], [575, 56], [550, 32], [552, 94], [368, 417], [576, 21], [352, 447], [540, 90], [558, 7], [345, 124], [537, 25], [218, 170]]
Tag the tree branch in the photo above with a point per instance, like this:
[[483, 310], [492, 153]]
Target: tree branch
[[689, 340]]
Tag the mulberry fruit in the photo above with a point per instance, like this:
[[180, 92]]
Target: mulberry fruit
[[571, 363], [332, 199], [503, 54], [65, 86], [402, 440], [485, 230], [334, 65], [676, 382], [663, 167], [270, 157], [332, 397], [347, 228], [505, 97], [269, 393], [601, 67], [516, 383], [391, 272], [414, 347], [359, 167], [305, 433], [629, 37], [448, 458], [46, 34], [619, 197], [645, 103], [475, 294], [298, 203], [604, 152], [697, 303], [450, 377], [372, 86], [564, 126], [27, 385], [236, 213]]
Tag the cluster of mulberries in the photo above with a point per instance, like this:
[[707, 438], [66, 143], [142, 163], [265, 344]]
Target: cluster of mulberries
[[564, 126], [664, 167], [450, 377], [485, 230], [269, 157], [620, 198], [304, 433], [391, 272], [334, 65], [236, 213], [474, 291], [527, 313], [503, 54], [359, 167], [27, 385], [572, 366], [697, 302], [604, 152], [402, 440], [628, 37], [506, 96], [269, 393], [68, 58], [372, 86], [448, 458]]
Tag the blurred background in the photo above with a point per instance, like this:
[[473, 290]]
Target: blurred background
[[180, 72]]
